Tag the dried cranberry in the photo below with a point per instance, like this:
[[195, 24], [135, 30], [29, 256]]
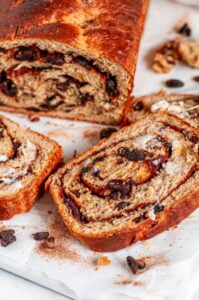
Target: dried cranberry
[[40, 236], [26, 53], [8, 88], [174, 83], [185, 30], [119, 187], [111, 86], [132, 155], [107, 132], [139, 106], [135, 265], [86, 98]]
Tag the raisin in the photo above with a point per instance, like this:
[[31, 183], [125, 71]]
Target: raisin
[[132, 155], [40, 236], [74, 209], [26, 54], [196, 78], [174, 83], [120, 187], [54, 58], [75, 81], [86, 98], [100, 158], [158, 208], [63, 86], [122, 205], [2, 76], [7, 237], [107, 132], [140, 218], [139, 106], [111, 86], [185, 30], [83, 62], [191, 137], [76, 193], [135, 265], [2, 50], [8, 88], [85, 170]]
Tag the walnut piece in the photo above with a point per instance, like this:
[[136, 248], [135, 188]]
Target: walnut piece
[[166, 57]]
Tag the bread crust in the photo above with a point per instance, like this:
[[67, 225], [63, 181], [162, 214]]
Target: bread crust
[[23, 200], [115, 240], [103, 28], [114, 32]]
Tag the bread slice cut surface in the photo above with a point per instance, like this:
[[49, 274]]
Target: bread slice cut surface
[[139, 182], [26, 159]]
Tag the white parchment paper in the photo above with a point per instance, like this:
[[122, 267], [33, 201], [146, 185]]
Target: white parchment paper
[[173, 256]]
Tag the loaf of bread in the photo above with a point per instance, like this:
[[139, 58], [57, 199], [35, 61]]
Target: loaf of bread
[[69, 59], [182, 105], [26, 159], [130, 187]]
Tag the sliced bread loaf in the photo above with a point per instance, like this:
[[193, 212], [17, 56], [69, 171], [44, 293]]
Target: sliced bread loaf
[[182, 105], [129, 187], [26, 159], [69, 59]]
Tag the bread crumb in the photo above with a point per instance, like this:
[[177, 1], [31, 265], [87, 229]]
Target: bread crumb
[[92, 135], [33, 118], [103, 261], [128, 282]]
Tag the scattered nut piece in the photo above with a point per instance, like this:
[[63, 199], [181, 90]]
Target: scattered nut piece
[[166, 57], [103, 261], [189, 52], [135, 265], [49, 242]]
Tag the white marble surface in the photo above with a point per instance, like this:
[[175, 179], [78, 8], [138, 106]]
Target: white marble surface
[[12, 286]]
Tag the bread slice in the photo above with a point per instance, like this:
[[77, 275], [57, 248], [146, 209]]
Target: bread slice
[[26, 159], [69, 59], [182, 105], [129, 187]]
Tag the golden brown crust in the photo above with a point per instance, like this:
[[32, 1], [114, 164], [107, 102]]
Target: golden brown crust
[[23, 200], [115, 240], [108, 28]]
